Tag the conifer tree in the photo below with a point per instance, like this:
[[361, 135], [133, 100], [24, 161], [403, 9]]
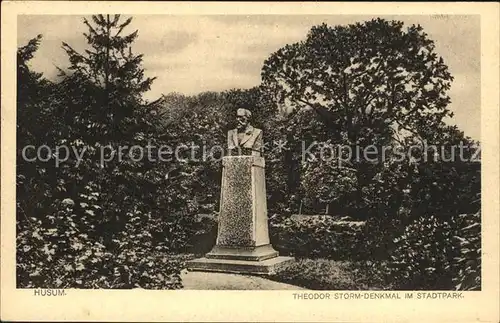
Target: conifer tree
[[114, 73], [102, 98]]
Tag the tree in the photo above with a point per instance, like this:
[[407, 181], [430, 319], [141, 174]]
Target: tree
[[327, 183], [125, 206], [367, 82], [195, 127], [447, 178], [116, 74], [369, 76], [35, 126], [296, 131], [101, 99]]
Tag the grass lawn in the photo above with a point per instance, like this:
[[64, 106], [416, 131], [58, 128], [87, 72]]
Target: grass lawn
[[326, 274]]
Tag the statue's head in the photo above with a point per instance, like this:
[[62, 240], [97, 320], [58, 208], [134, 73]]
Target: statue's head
[[243, 118]]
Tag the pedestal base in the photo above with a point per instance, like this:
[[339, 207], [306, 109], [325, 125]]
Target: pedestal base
[[243, 244], [264, 267], [243, 253]]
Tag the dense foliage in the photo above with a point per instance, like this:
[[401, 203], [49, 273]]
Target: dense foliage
[[319, 237], [467, 265], [434, 254], [123, 208], [375, 85]]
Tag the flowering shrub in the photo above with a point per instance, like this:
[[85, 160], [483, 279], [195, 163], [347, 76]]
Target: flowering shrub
[[435, 254], [422, 255], [467, 265], [379, 235], [61, 252]]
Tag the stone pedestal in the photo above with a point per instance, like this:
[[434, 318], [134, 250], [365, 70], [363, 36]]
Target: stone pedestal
[[243, 238]]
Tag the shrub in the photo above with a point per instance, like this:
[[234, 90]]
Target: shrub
[[422, 255], [436, 254], [313, 236], [379, 234], [59, 251], [318, 237], [467, 265], [205, 234], [370, 274]]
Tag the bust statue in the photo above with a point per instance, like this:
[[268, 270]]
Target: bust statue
[[244, 139]]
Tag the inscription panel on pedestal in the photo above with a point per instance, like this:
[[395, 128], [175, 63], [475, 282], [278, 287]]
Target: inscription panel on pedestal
[[236, 217]]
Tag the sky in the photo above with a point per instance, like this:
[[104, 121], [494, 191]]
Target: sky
[[192, 54]]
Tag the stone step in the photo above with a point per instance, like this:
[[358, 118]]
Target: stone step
[[264, 267]]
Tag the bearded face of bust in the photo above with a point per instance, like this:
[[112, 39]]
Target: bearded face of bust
[[241, 120], [245, 136]]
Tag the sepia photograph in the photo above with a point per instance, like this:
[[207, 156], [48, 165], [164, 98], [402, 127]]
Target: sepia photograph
[[310, 153]]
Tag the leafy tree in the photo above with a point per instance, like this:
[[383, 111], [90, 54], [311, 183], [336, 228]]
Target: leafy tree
[[447, 177], [368, 82], [368, 75], [295, 130], [328, 183], [194, 128]]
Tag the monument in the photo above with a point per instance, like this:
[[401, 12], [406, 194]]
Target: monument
[[242, 244]]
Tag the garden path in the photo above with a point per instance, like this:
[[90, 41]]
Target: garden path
[[195, 280]]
